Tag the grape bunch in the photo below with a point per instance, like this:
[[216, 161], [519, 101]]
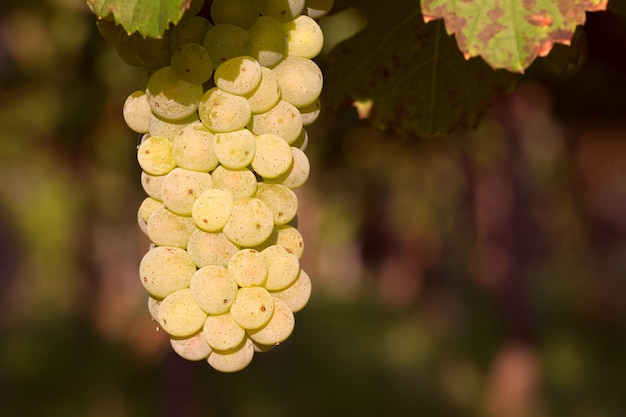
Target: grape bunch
[[224, 100]]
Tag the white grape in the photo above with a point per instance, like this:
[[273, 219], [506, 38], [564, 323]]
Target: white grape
[[192, 148], [153, 307], [164, 270], [147, 207], [282, 120], [289, 237], [232, 360], [304, 37], [252, 308], [192, 348], [297, 295], [300, 80], [236, 149], [152, 52], [222, 332], [282, 10], [170, 128], [267, 93], [137, 112], [206, 248], [190, 29], [169, 229], [269, 41], [283, 267], [318, 8], [155, 155], [151, 184], [278, 329], [298, 174], [273, 156], [225, 41], [310, 113], [213, 289], [171, 97], [192, 63], [248, 268], [240, 183], [212, 209], [239, 75], [281, 200], [250, 223], [181, 187], [223, 112], [179, 315]]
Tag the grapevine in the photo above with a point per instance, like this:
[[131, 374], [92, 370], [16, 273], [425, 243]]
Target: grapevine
[[223, 103]]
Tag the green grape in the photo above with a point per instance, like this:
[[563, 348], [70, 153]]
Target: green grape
[[252, 308], [170, 97], [242, 13], [273, 156], [151, 184], [147, 207], [192, 348], [248, 268], [223, 112], [318, 8], [267, 93], [137, 112], [192, 63], [235, 149], [278, 329], [190, 29], [282, 10], [300, 80], [297, 295], [302, 142], [169, 129], [283, 267], [164, 270], [124, 48], [153, 307], [155, 155], [310, 113], [195, 6], [304, 37], [269, 41], [240, 183], [152, 53], [168, 229], [239, 75], [179, 315], [297, 175], [192, 148], [232, 360], [109, 30], [225, 41], [213, 289], [281, 200], [207, 248], [282, 120], [212, 209], [222, 332], [181, 187], [250, 223], [289, 237]]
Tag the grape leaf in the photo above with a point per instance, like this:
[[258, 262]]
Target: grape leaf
[[414, 76], [510, 34], [148, 17]]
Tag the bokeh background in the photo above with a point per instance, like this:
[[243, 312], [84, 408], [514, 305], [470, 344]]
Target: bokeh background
[[480, 274]]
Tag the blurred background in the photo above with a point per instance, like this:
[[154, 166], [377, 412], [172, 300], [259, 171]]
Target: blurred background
[[481, 274]]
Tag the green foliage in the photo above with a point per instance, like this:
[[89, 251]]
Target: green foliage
[[148, 17], [510, 36], [413, 73]]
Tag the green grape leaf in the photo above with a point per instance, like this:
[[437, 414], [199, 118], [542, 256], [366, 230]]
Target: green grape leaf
[[510, 34], [410, 79], [148, 17]]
